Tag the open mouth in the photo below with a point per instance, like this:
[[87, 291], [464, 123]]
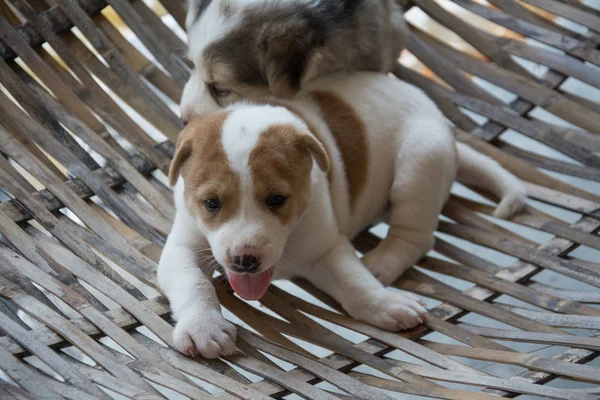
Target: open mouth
[[250, 286]]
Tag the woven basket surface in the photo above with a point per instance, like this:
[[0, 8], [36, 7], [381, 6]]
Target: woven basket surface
[[88, 121]]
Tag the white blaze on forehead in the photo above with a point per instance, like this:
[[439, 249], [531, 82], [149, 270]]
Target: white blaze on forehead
[[242, 130], [211, 26]]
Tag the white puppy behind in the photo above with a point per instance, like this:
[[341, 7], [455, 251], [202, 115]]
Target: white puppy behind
[[248, 194]]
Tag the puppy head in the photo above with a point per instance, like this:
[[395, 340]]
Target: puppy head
[[248, 51], [247, 174]]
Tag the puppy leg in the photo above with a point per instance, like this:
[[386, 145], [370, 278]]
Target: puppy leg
[[200, 329], [424, 172], [341, 274]]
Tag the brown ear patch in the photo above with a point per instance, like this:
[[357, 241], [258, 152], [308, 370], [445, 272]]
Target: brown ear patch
[[202, 162], [319, 154], [182, 153], [349, 133]]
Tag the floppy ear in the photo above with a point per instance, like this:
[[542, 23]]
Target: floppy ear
[[310, 143], [182, 153], [284, 50], [283, 69], [318, 62]]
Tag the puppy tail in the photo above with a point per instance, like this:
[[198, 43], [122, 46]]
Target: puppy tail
[[480, 170]]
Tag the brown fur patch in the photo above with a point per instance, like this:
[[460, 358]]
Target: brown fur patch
[[203, 164], [349, 133], [281, 165]]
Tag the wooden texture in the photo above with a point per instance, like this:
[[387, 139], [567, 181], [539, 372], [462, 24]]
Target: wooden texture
[[87, 131]]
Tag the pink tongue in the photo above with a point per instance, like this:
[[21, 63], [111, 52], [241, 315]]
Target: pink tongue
[[250, 286]]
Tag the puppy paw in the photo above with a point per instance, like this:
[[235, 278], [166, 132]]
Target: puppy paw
[[385, 266], [208, 335], [390, 310]]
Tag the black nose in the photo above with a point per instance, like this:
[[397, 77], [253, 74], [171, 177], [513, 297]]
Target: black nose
[[246, 263]]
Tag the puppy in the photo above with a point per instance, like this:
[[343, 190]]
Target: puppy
[[251, 48], [248, 193]]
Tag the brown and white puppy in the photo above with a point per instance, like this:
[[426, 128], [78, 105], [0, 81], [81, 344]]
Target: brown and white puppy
[[252, 48], [250, 198]]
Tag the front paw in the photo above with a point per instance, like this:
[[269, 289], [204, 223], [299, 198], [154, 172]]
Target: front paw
[[389, 310], [209, 335]]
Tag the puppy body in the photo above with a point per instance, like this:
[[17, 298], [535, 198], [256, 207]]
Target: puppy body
[[377, 142], [246, 49]]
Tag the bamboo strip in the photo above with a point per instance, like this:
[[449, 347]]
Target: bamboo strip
[[570, 45]]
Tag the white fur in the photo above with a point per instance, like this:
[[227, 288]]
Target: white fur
[[195, 99], [412, 163]]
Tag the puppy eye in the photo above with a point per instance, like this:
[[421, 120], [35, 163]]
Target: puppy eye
[[212, 205], [219, 90], [276, 200]]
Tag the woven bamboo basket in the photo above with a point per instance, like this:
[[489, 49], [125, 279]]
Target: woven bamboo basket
[[88, 121]]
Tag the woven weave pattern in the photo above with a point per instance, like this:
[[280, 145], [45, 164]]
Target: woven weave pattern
[[88, 122]]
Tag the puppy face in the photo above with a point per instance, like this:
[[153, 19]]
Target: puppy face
[[246, 50], [247, 174]]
